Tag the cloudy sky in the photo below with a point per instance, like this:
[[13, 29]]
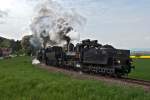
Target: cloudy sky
[[122, 23]]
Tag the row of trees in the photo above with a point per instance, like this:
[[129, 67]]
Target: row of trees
[[14, 45], [18, 47]]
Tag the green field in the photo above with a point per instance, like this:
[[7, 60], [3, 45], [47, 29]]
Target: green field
[[19, 80], [142, 69]]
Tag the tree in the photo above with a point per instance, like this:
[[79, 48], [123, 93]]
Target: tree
[[4, 43], [25, 43], [16, 46]]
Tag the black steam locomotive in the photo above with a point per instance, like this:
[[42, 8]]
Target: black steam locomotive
[[89, 56]]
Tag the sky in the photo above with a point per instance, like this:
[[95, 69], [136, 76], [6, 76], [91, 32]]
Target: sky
[[121, 23]]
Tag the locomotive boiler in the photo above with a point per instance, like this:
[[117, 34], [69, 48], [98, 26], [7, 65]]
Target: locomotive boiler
[[89, 56]]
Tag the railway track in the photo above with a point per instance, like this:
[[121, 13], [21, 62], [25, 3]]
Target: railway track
[[136, 81], [70, 72], [140, 82], [127, 80]]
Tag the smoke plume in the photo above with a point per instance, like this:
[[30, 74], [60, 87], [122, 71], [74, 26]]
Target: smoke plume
[[54, 25]]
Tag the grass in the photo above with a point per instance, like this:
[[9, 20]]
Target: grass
[[142, 69], [20, 80]]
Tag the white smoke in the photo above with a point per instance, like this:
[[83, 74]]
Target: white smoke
[[35, 62], [54, 25]]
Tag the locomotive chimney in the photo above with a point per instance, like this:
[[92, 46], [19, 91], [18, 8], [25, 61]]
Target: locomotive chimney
[[68, 44], [67, 38]]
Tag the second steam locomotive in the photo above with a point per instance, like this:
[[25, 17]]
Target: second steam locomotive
[[89, 56]]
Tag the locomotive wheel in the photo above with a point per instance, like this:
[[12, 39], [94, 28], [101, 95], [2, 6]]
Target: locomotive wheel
[[118, 75]]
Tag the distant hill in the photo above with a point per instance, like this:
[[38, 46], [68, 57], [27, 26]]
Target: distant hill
[[140, 51]]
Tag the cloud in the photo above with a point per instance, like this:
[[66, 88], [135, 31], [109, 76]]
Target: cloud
[[3, 14], [125, 23], [147, 38]]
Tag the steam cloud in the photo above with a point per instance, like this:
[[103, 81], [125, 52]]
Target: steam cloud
[[54, 25]]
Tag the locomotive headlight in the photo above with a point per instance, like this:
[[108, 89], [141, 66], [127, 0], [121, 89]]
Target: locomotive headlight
[[118, 61], [78, 65]]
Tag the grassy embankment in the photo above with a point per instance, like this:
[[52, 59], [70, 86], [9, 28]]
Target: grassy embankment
[[19, 80], [142, 69]]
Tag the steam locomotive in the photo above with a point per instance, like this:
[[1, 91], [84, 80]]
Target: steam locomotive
[[89, 56]]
